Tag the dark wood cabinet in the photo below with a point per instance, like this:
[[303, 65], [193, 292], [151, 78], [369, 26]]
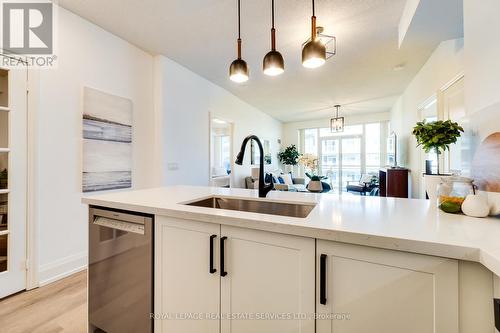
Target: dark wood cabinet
[[394, 182]]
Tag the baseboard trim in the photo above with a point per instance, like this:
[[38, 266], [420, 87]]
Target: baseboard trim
[[62, 268]]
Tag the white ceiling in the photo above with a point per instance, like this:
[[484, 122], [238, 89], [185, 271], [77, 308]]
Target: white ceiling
[[201, 35]]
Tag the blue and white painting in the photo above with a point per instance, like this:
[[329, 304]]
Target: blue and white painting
[[107, 141]]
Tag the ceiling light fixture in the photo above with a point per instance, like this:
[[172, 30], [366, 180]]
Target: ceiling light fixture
[[313, 52], [337, 123], [273, 63], [238, 71]]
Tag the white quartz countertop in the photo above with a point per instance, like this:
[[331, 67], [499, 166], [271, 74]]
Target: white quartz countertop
[[398, 224]]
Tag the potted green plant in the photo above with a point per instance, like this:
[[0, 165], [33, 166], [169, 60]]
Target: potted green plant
[[289, 156], [436, 136], [310, 163]]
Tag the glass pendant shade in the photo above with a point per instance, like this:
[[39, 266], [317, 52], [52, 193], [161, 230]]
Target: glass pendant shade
[[313, 54], [314, 51], [273, 63], [337, 123], [238, 71]]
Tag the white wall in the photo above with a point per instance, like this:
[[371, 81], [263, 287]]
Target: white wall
[[482, 54], [88, 56], [446, 62], [184, 102]]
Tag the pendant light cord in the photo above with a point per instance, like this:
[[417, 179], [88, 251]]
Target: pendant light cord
[[272, 11], [239, 31], [239, 23], [313, 23]]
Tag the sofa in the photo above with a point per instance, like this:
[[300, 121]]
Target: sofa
[[298, 184]]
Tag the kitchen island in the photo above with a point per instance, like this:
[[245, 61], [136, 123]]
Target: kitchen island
[[352, 264]]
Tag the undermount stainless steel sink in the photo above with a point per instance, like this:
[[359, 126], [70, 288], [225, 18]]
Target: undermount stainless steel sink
[[300, 210]]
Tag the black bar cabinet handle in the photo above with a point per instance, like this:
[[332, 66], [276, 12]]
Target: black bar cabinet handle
[[322, 279], [222, 269], [212, 270]]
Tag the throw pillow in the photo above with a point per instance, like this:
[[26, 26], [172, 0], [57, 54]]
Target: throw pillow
[[287, 179]]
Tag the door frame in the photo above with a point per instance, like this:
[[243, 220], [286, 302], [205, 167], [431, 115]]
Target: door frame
[[32, 84], [211, 116], [31, 241]]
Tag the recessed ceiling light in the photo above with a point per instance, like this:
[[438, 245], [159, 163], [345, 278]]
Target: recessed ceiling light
[[399, 67]]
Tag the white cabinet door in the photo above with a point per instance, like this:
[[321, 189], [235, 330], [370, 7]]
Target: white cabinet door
[[268, 275], [384, 291], [187, 292]]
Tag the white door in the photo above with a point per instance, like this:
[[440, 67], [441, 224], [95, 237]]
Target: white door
[[13, 157], [267, 282], [375, 290], [341, 160], [330, 164], [187, 284]]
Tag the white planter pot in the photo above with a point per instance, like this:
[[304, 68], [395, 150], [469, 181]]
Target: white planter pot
[[431, 185]]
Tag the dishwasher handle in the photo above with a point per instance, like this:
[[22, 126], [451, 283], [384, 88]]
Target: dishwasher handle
[[119, 225]]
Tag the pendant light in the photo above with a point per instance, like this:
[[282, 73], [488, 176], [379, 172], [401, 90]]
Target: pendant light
[[238, 71], [273, 63], [313, 52], [337, 123]]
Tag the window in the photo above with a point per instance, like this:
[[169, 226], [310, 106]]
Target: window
[[429, 113], [432, 156], [345, 156], [220, 152], [311, 141], [348, 130]]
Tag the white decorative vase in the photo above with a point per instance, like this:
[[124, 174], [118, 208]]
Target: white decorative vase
[[476, 205], [315, 186], [431, 186]]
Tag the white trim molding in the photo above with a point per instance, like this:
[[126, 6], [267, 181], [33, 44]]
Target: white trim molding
[[31, 183], [62, 268]]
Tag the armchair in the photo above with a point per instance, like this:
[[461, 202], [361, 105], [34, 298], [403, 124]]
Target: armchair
[[365, 184]]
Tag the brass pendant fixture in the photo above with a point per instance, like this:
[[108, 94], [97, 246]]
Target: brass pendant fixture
[[238, 71], [337, 123], [313, 52], [273, 63]]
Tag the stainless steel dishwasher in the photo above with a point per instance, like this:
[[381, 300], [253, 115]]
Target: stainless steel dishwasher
[[120, 275]]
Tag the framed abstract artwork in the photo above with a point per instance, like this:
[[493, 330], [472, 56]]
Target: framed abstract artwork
[[107, 141]]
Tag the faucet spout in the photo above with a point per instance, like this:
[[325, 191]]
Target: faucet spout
[[264, 188]]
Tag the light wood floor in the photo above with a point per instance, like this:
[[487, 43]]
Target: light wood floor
[[58, 307]]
